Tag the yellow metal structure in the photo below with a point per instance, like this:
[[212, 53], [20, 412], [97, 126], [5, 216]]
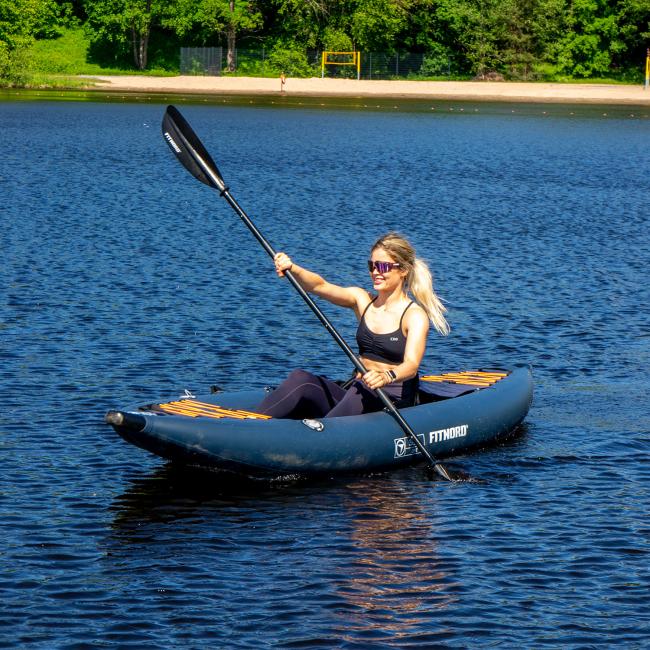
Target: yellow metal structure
[[329, 58]]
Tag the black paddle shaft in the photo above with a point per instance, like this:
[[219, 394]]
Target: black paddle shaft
[[182, 140]]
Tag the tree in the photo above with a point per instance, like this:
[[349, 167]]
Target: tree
[[310, 23], [205, 19], [123, 26], [634, 25], [592, 41], [532, 27], [377, 24], [475, 29], [22, 20]]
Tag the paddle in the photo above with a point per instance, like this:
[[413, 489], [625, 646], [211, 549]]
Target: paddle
[[193, 155]]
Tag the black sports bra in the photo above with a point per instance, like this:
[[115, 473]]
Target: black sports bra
[[388, 348]]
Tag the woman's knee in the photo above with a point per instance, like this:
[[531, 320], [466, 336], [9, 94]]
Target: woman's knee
[[299, 376], [353, 402]]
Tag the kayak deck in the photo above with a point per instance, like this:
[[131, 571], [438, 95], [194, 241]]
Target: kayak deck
[[444, 386], [221, 430]]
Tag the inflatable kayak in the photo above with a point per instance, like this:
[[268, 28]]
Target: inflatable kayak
[[456, 411]]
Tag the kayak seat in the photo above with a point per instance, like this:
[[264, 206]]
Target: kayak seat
[[433, 388], [430, 392]]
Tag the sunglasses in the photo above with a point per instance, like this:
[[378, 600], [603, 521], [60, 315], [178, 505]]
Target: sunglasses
[[382, 267]]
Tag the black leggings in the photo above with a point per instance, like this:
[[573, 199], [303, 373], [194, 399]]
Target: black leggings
[[303, 395]]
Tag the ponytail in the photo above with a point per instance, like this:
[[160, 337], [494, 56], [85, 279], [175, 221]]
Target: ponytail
[[420, 284]]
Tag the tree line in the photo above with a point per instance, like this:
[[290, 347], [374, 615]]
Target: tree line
[[519, 39]]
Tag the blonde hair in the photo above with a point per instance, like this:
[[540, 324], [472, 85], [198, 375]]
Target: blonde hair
[[419, 280]]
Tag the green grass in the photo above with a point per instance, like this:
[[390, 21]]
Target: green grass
[[68, 54], [64, 55], [57, 63]]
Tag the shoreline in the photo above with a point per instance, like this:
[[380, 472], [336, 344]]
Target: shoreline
[[483, 91]]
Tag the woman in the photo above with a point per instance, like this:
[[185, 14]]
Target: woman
[[392, 335]]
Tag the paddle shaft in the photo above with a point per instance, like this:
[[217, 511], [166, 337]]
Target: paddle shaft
[[358, 364], [203, 167]]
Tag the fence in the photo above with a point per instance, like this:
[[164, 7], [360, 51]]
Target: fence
[[374, 65], [201, 60]]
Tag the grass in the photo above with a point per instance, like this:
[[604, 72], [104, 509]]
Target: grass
[[60, 63], [66, 55], [57, 63]]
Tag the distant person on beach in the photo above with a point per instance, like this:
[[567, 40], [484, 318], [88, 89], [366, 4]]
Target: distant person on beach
[[392, 335], [283, 80]]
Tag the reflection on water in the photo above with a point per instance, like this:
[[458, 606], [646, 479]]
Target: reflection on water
[[389, 578], [396, 577], [459, 108]]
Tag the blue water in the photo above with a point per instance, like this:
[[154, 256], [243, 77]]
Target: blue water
[[125, 280]]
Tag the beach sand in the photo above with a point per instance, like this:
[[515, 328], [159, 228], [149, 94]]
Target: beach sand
[[496, 91]]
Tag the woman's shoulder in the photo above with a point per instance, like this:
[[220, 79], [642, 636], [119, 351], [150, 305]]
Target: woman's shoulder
[[362, 298], [415, 314]]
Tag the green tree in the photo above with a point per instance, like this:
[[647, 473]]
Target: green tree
[[475, 29], [296, 21], [377, 24], [634, 24], [532, 27], [22, 20], [593, 38], [123, 26], [206, 20], [424, 30], [309, 23]]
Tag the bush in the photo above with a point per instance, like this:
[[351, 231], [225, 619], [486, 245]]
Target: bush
[[290, 60], [335, 40], [4, 59], [14, 66], [253, 63], [436, 62]]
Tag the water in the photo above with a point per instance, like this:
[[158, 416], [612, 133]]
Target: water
[[125, 280]]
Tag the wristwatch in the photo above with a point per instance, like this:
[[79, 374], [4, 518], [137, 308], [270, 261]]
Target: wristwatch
[[392, 375]]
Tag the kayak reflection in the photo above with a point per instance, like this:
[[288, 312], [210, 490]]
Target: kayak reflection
[[396, 575]]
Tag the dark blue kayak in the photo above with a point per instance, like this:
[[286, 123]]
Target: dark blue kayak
[[457, 411]]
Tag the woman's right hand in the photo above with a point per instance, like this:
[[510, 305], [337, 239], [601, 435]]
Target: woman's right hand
[[282, 263]]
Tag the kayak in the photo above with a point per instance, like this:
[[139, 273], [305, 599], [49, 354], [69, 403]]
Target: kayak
[[457, 411]]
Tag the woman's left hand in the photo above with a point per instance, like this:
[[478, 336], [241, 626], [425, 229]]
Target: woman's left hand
[[375, 379]]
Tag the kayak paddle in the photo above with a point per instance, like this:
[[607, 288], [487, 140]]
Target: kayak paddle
[[193, 155]]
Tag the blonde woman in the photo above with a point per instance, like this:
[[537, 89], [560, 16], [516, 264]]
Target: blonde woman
[[392, 335]]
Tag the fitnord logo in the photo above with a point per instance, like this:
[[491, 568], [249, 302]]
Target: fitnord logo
[[448, 434], [172, 144]]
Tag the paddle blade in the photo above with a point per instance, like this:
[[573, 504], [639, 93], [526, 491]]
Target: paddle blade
[[189, 149]]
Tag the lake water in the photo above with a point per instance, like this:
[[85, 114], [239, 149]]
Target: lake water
[[125, 280]]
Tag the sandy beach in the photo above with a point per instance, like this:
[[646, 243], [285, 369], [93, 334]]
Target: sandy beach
[[443, 90]]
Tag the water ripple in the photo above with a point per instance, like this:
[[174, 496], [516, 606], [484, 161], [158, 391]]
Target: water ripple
[[125, 281]]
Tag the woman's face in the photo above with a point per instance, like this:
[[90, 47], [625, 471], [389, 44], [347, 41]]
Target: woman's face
[[386, 274]]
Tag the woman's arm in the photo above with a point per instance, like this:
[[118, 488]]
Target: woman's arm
[[350, 297], [417, 329]]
